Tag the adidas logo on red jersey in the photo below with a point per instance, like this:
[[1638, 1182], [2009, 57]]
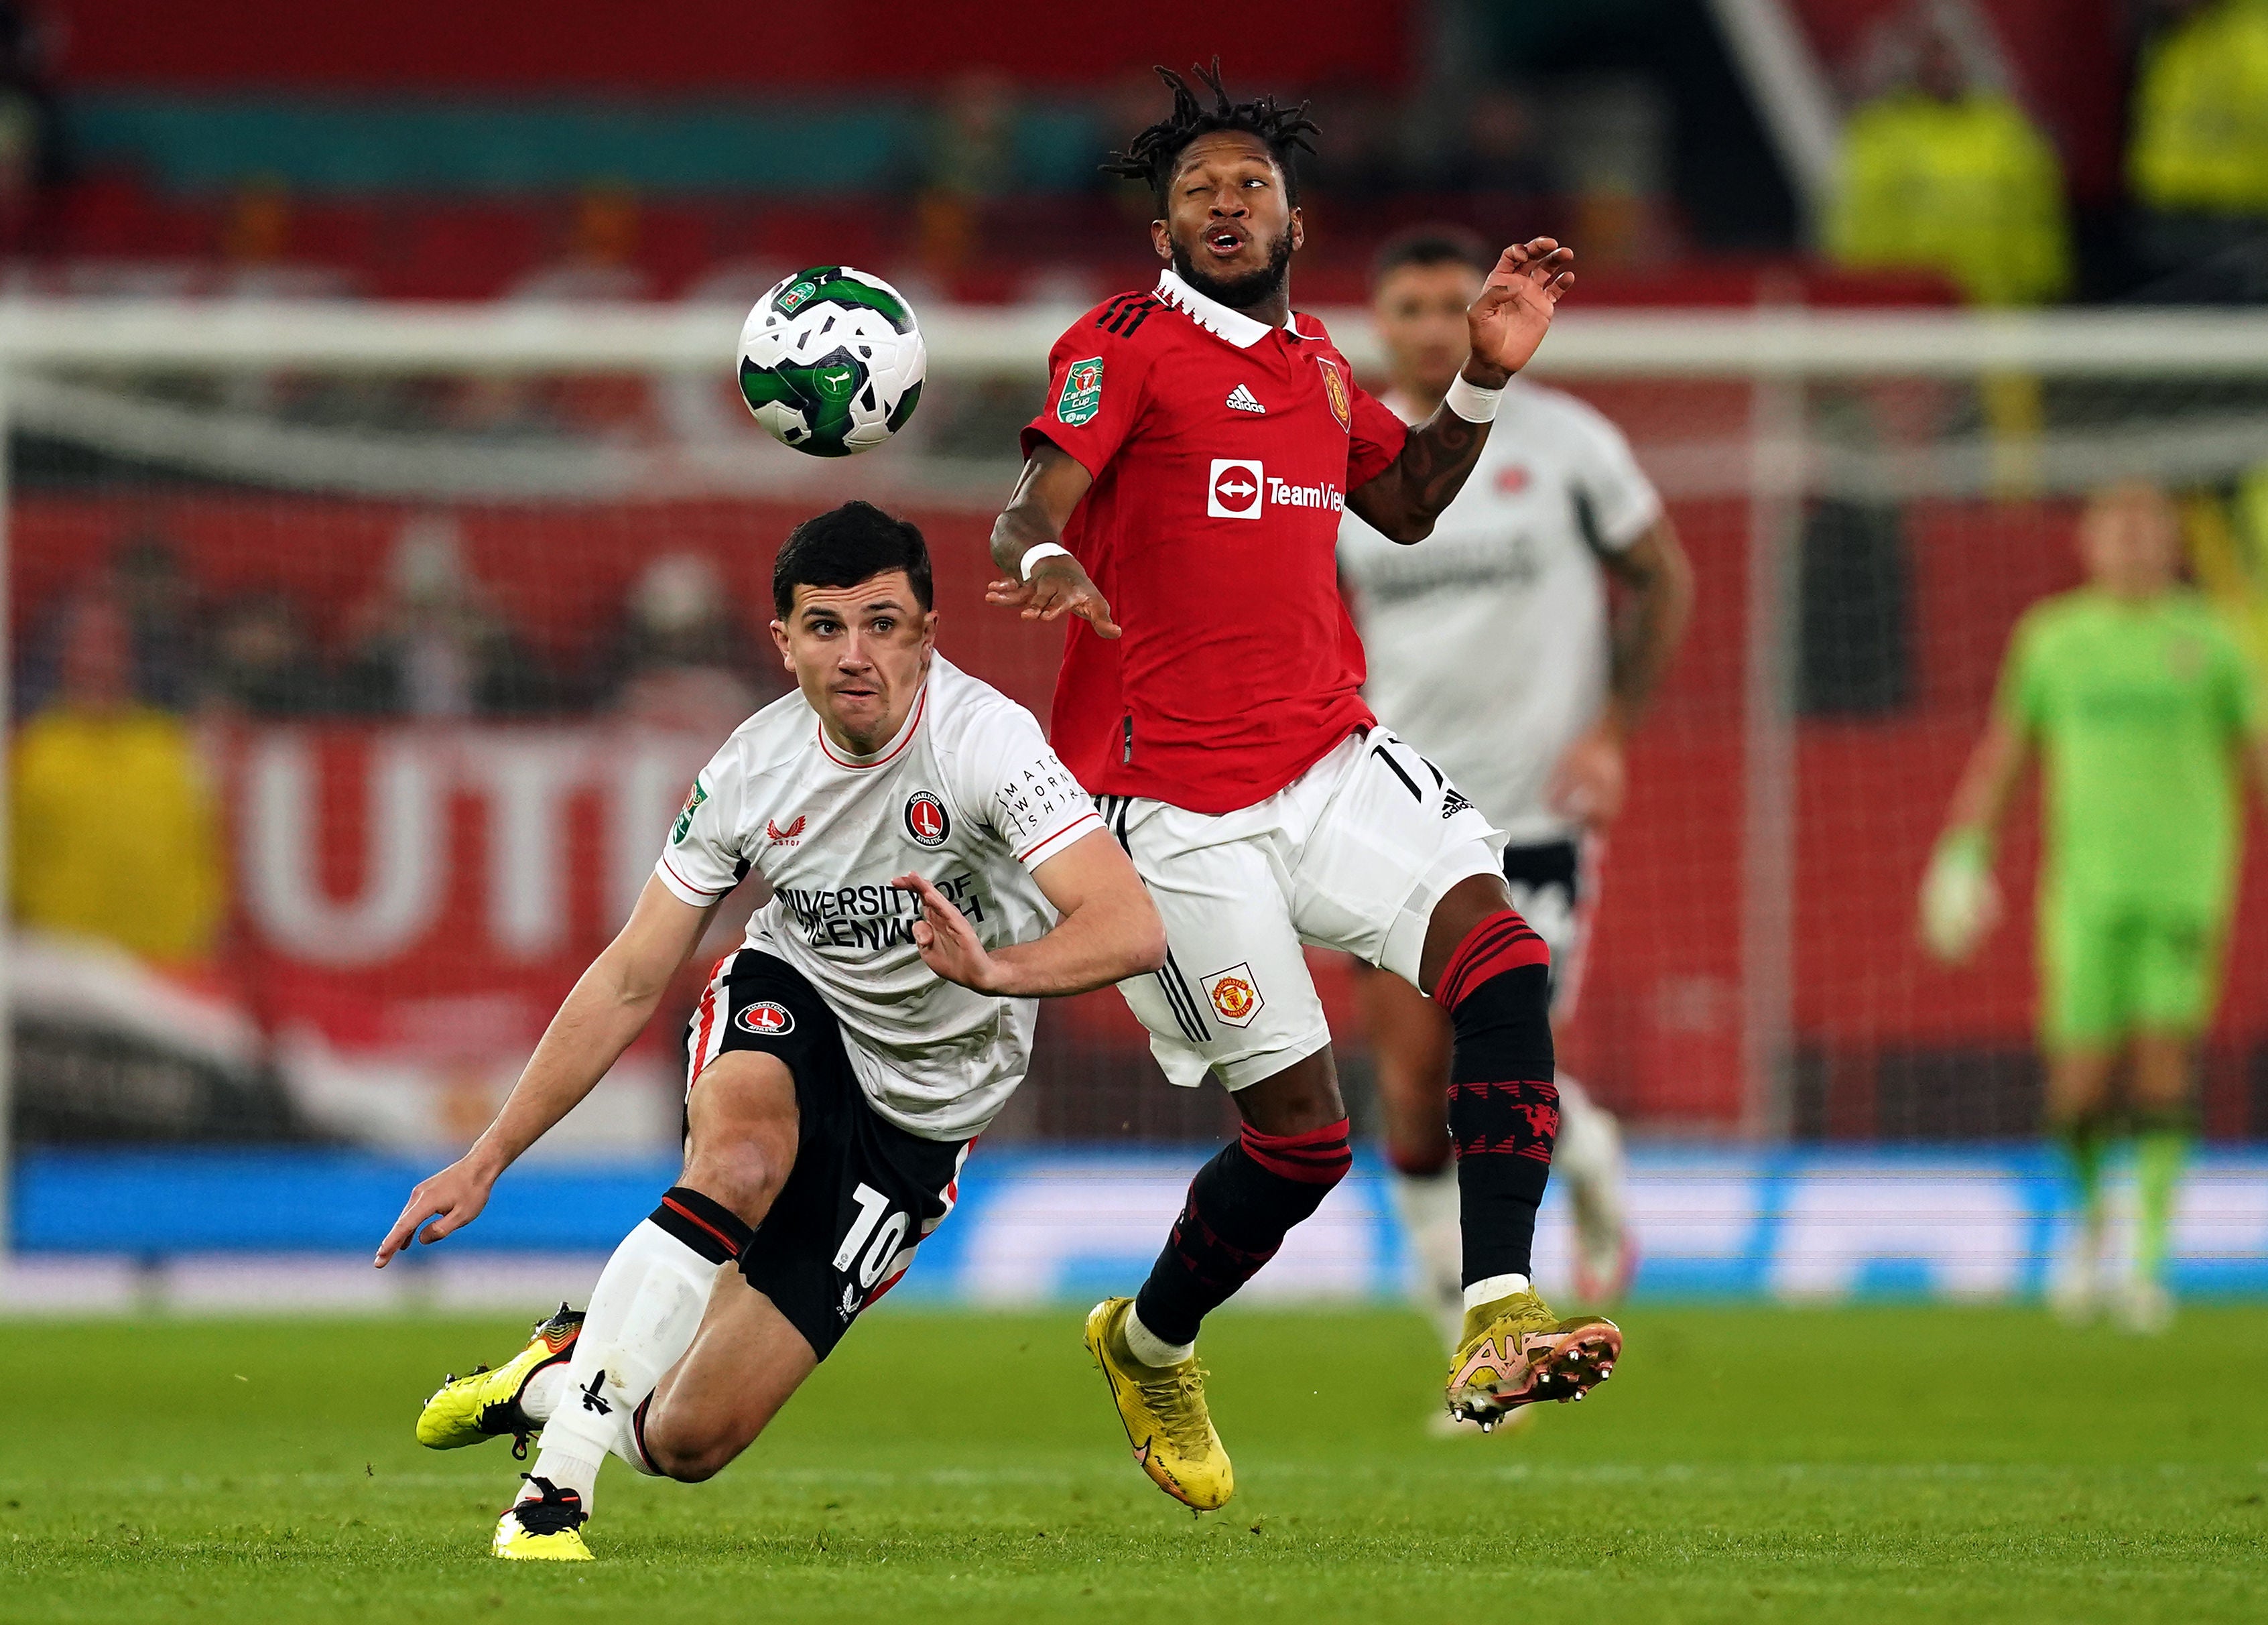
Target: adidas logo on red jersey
[[1242, 399]]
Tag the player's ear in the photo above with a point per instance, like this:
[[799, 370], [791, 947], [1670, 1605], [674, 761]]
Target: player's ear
[[779, 642], [1161, 239], [1298, 230]]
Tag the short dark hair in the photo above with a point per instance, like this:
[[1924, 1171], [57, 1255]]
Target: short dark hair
[[1429, 246], [845, 546], [1152, 154]]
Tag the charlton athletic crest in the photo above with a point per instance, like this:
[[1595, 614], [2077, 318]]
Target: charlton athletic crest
[[1335, 391], [766, 1020], [1082, 392], [1235, 998], [925, 818]]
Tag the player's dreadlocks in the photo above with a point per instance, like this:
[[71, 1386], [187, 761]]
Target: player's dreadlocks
[[1152, 154]]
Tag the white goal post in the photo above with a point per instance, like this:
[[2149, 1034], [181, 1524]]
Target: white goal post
[[69, 370], [1715, 342]]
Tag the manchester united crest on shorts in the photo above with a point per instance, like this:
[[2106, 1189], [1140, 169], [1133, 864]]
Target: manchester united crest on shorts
[[1335, 391], [925, 820], [1235, 998], [766, 1020]]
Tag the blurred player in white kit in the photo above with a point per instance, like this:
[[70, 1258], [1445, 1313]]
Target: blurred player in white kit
[[1518, 566]]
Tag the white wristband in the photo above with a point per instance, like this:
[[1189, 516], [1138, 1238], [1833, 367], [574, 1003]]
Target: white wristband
[[1045, 550], [1471, 402]]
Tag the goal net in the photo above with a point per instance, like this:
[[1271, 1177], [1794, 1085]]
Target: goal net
[[362, 656]]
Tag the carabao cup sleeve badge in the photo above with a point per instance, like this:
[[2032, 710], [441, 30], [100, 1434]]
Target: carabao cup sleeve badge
[[1082, 392], [684, 825]]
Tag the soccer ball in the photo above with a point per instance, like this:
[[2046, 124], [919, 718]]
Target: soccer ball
[[831, 361]]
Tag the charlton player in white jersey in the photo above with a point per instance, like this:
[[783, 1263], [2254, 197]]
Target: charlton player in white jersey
[[932, 871], [1557, 511], [1182, 499]]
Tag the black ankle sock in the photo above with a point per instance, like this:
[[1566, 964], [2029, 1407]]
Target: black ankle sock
[[1241, 1204]]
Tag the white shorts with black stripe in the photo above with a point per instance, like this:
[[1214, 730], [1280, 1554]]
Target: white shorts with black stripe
[[1352, 855]]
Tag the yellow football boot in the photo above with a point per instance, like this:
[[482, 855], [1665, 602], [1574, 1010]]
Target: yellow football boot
[[1514, 1352], [465, 1410], [1163, 1407], [546, 1527]]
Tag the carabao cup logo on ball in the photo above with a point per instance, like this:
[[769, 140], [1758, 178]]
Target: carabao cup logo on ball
[[832, 361]]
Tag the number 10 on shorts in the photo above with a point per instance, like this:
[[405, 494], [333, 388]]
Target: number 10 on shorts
[[885, 1235]]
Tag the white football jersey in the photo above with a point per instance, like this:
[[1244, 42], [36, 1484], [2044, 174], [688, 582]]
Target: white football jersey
[[1488, 640], [969, 795]]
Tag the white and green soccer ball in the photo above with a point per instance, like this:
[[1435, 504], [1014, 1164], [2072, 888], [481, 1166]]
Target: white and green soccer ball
[[831, 361]]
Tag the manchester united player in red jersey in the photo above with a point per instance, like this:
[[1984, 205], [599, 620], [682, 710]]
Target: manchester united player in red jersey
[[1181, 499]]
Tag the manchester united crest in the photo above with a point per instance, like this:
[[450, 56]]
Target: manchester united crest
[[1234, 996], [1335, 391], [925, 820]]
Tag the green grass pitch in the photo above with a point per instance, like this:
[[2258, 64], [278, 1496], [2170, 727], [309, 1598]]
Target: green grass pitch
[[1907, 1464]]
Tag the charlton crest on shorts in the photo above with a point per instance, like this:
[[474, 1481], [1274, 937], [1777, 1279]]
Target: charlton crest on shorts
[[766, 1020], [1235, 998], [1335, 391], [925, 820]]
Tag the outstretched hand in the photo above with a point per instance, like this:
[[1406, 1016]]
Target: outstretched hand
[[1513, 312], [452, 1199], [1058, 585], [947, 942]]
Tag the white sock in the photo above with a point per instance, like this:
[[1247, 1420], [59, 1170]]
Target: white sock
[[643, 1315], [1488, 1291], [1588, 1156], [1152, 1349], [541, 1395], [1427, 1206]]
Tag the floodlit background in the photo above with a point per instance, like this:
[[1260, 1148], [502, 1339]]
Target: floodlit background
[[386, 545]]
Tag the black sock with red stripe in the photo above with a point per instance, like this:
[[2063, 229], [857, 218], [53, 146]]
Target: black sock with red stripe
[[708, 1227], [1241, 1205], [1504, 1108]]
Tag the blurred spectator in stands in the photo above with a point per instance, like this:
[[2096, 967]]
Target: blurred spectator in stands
[[1941, 172], [257, 251], [113, 824], [685, 661], [145, 581], [32, 163], [261, 663], [159, 601], [598, 266], [600, 262], [432, 644], [1130, 103], [1360, 153], [1499, 155], [2199, 159], [968, 161]]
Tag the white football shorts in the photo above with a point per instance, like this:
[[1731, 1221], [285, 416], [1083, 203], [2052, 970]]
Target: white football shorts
[[1352, 855]]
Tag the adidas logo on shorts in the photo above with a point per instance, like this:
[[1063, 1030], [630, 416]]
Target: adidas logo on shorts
[[1453, 804], [1242, 399]]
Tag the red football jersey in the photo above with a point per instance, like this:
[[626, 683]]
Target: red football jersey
[[1222, 451]]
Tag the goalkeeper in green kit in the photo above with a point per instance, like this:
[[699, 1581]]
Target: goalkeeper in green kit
[[2143, 710]]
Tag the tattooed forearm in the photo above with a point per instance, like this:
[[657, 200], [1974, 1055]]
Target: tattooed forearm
[[1405, 500]]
